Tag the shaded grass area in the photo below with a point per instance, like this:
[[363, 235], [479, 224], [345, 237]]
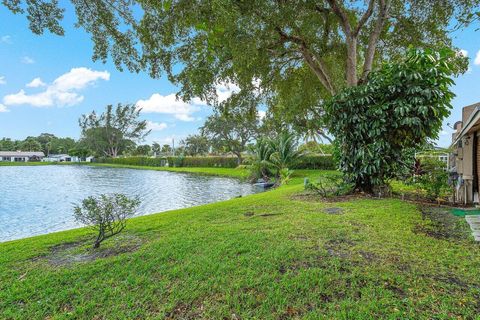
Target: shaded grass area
[[273, 255]]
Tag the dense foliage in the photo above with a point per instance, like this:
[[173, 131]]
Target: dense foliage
[[230, 129], [290, 54], [400, 107], [313, 147], [114, 130], [45, 142], [274, 157], [433, 178], [284, 152], [317, 162], [195, 144]]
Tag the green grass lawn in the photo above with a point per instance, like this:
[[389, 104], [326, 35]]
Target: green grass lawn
[[274, 255], [10, 164]]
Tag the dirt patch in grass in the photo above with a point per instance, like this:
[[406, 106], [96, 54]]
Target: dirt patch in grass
[[187, 311], [81, 251], [340, 247], [269, 214], [333, 210], [439, 223], [309, 196]]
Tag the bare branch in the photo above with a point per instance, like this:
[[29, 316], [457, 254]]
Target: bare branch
[[374, 37], [340, 12], [318, 68], [365, 17]]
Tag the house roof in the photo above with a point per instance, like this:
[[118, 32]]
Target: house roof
[[21, 154], [470, 123], [58, 155]]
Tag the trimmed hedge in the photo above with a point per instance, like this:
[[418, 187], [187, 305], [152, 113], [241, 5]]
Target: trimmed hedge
[[135, 161], [317, 162], [307, 162], [222, 162]]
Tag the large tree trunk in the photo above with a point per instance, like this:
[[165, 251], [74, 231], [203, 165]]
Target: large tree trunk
[[239, 158]]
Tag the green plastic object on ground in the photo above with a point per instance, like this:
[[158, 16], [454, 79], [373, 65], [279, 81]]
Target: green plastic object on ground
[[462, 212]]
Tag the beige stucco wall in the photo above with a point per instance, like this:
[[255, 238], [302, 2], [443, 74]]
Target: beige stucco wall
[[464, 165], [468, 157]]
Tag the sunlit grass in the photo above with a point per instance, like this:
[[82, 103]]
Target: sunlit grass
[[274, 255]]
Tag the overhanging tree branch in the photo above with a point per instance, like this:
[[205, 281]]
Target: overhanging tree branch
[[315, 63]]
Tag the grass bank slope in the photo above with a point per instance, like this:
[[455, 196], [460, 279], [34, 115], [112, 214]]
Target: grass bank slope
[[276, 255]]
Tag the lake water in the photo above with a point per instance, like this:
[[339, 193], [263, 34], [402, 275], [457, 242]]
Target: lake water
[[39, 199]]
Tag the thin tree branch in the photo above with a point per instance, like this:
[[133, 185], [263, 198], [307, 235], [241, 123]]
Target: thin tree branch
[[374, 37], [365, 17], [315, 64], [338, 10], [317, 67]]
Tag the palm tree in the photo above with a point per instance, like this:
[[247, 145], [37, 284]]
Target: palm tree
[[260, 160], [285, 153]]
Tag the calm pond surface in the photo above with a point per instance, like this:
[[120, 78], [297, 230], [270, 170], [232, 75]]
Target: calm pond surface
[[38, 199]]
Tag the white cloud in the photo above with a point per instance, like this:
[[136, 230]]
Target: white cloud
[[463, 52], [27, 60], [224, 91], [169, 140], [63, 91], [180, 109], [477, 58], [6, 39], [35, 83], [446, 132], [2, 80], [3, 108], [169, 104], [261, 114], [156, 126]]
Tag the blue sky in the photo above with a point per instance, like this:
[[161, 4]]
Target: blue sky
[[47, 82]]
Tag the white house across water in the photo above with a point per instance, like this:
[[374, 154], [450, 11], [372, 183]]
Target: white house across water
[[21, 156], [61, 158]]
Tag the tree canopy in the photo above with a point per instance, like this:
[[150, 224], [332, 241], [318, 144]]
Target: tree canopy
[[114, 130], [293, 54], [195, 144], [231, 128]]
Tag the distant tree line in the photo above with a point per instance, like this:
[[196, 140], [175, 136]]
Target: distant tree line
[[119, 132], [47, 143]]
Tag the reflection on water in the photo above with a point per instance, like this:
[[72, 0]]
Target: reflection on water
[[38, 199]]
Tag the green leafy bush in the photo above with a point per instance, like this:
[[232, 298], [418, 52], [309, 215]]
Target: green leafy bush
[[317, 148], [106, 214], [316, 162], [135, 161], [401, 106], [285, 175], [433, 178], [330, 186]]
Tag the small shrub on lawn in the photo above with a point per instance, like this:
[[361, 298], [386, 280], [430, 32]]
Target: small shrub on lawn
[[330, 186], [106, 213], [285, 175]]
